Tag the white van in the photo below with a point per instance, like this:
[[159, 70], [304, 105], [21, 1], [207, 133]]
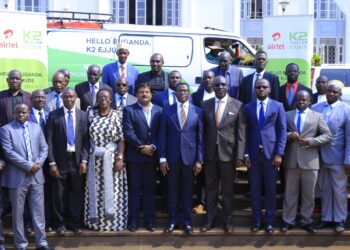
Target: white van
[[183, 49]]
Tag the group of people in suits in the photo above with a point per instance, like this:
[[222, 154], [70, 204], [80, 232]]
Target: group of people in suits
[[200, 138]]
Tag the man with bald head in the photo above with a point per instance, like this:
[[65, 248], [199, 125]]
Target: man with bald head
[[224, 140], [156, 77], [122, 97], [67, 137], [86, 91], [335, 164], [11, 96], [307, 131], [232, 74], [321, 86], [266, 141]]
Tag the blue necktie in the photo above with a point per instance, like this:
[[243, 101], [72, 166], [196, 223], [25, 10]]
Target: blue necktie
[[41, 121], [174, 98], [70, 129], [27, 142], [299, 122], [290, 96], [121, 104], [261, 114], [58, 101], [93, 94]]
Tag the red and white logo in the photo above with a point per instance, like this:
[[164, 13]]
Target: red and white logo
[[8, 33], [276, 36]]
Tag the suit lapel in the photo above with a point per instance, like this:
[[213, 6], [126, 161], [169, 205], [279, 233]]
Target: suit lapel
[[254, 106], [268, 110], [20, 135], [87, 92], [175, 117], [32, 117], [166, 98], [224, 114], [139, 111], [291, 121], [63, 120]]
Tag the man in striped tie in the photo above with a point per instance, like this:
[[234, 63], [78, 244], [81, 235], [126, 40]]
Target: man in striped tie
[[181, 156]]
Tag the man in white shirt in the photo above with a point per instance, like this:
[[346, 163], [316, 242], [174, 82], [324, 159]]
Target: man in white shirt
[[122, 97]]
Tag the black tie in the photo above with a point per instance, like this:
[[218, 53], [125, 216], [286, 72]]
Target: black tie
[[42, 121]]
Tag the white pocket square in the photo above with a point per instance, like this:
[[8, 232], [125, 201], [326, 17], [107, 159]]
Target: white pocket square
[[230, 113]]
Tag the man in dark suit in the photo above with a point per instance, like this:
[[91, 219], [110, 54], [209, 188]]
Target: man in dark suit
[[181, 155], [68, 141], [24, 146], [205, 91], [67, 79], [39, 116], [233, 74], [141, 123], [11, 96], [86, 91], [247, 92], [287, 92], [168, 97], [121, 68], [224, 140], [321, 86], [156, 77], [266, 141], [121, 97]]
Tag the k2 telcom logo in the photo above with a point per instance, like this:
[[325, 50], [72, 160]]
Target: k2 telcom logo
[[298, 36], [8, 33], [32, 35], [276, 36]]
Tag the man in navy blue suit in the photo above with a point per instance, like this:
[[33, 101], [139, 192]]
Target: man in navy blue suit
[[141, 123], [247, 92], [266, 141], [168, 97], [181, 156]]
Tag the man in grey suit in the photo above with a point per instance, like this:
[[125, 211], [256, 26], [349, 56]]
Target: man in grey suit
[[122, 98], [54, 98], [25, 151], [307, 131], [224, 140], [335, 157]]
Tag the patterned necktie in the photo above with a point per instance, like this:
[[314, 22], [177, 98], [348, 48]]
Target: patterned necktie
[[27, 142], [42, 120], [58, 101], [183, 115], [121, 103], [261, 114], [217, 113], [70, 128], [299, 122], [123, 71], [93, 94], [290, 96]]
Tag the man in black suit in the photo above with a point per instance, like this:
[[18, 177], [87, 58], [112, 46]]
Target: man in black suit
[[247, 92], [321, 86], [224, 140], [122, 97], [205, 91], [287, 92], [141, 134], [86, 91], [67, 137]]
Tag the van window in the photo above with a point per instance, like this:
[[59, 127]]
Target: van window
[[337, 74], [239, 52], [177, 51]]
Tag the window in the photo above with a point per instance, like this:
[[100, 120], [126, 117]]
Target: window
[[140, 11], [32, 5], [171, 13], [268, 7], [254, 9], [327, 9], [120, 8]]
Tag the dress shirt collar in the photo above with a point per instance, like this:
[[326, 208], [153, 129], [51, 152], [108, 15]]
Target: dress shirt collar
[[303, 112], [36, 111], [120, 65], [96, 85], [224, 99], [260, 73], [25, 124], [333, 105], [117, 96], [179, 105], [66, 110], [150, 106], [19, 93], [264, 102]]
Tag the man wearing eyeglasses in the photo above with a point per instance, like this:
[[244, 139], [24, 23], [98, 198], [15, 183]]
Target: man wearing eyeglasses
[[122, 98], [224, 137], [266, 141]]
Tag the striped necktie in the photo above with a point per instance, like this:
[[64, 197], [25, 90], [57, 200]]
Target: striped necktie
[[27, 141], [183, 115]]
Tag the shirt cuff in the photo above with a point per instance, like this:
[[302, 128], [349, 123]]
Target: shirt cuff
[[52, 163], [84, 161], [161, 160]]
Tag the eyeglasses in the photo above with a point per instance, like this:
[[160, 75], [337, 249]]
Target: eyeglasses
[[220, 84], [121, 85], [262, 87]]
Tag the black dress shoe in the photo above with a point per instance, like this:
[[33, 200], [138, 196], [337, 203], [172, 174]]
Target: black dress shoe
[[228, 228], [256, 227], [188, 229], [268, 229], [45, 248], [49, 229], [150, 226], [323, 224], [206, 227], [76, 230], [169, 229], [308, 228], [286, 227], [132, 226], [339, 227], [61, 230]]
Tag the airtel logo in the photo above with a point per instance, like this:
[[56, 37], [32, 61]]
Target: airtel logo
[[8, 33], [276, 36]]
